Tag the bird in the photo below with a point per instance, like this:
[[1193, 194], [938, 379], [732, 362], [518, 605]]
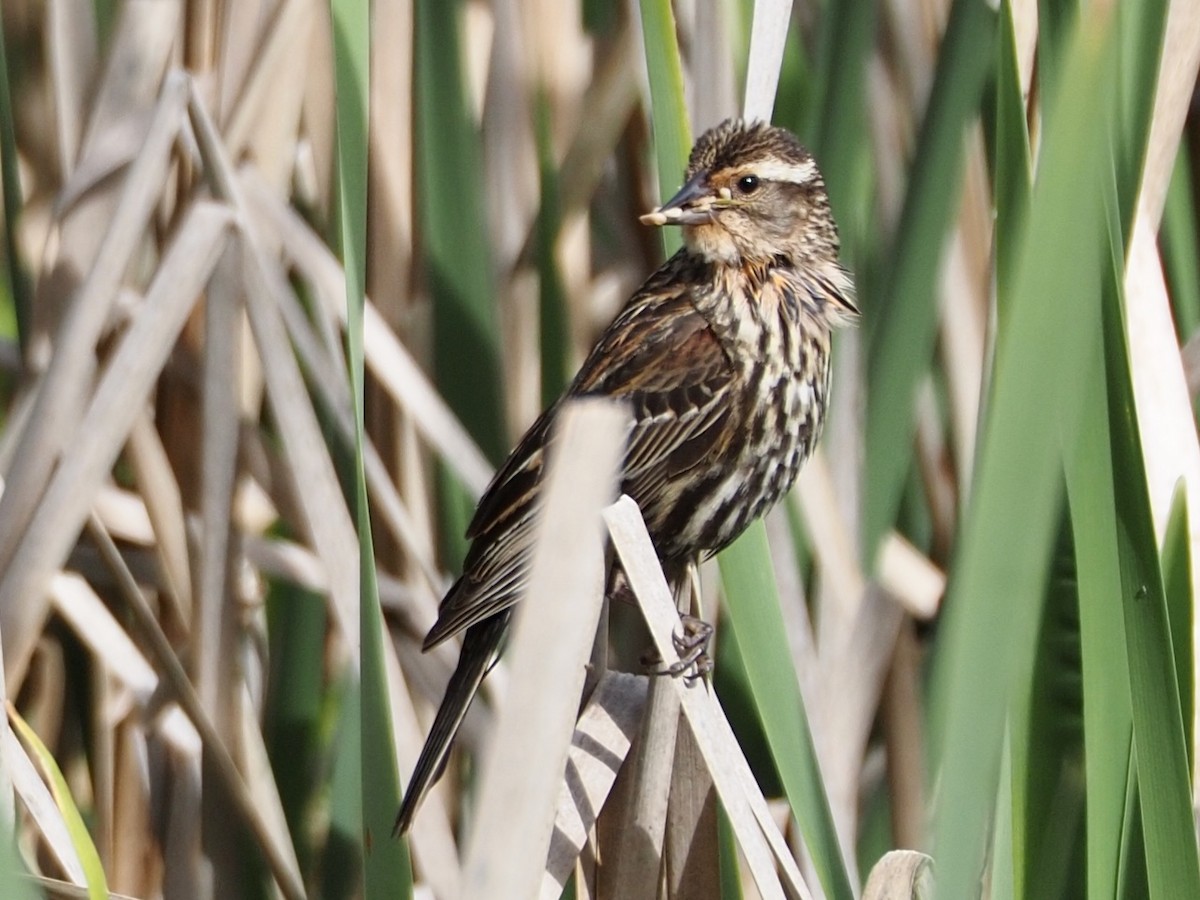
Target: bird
[[723, 359]]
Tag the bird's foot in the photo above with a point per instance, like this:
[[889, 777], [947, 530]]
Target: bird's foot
[[691, 643]]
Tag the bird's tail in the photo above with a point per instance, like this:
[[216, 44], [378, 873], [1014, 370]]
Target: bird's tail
[[480, 646]]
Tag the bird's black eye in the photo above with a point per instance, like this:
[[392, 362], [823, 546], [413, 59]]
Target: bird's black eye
[[748, 184]]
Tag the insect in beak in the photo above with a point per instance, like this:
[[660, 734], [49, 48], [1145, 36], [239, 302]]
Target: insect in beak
[[693, 205]]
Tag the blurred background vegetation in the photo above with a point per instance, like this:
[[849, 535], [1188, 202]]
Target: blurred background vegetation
[[985, 581]]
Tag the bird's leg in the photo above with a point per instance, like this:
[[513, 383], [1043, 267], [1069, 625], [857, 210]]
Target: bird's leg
[[695, 635], [692, 640]]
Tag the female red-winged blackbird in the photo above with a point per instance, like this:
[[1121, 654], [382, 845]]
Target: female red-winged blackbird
[[723, 358]]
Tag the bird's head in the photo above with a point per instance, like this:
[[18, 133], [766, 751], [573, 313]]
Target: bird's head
[[752, 194]]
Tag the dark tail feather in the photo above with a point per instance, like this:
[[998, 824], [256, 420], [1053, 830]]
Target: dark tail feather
[[480, 645]]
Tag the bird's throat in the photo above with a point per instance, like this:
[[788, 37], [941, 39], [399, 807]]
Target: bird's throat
[[712, 243]]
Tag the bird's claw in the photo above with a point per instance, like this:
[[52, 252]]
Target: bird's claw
[[691, 643], [696, 666]]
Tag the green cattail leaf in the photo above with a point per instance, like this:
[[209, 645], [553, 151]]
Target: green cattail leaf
[[672, 128], [901, 321], [756, 620], [81, 840], [386, 869], [20, 289], [1042, 359]]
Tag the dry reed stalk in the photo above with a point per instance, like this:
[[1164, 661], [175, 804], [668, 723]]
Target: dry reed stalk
[[605, 732], [554, 627], [757, 834], [45, 542]]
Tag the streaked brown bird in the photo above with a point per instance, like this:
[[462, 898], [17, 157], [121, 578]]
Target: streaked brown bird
[[723, 358]]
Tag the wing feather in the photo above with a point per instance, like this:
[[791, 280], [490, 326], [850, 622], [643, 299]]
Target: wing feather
[[663, 359]]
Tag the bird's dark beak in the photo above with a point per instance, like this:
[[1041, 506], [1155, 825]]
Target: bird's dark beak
[[691, 206]]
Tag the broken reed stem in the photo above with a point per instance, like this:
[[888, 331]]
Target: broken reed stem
[[639, 858]]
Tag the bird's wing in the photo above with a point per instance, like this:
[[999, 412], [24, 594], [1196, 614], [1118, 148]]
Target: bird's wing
[[501, 533], [660, 357], [671, 369]]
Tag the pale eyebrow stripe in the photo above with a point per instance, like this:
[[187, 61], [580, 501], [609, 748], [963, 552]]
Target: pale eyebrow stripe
[[795, 173]]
